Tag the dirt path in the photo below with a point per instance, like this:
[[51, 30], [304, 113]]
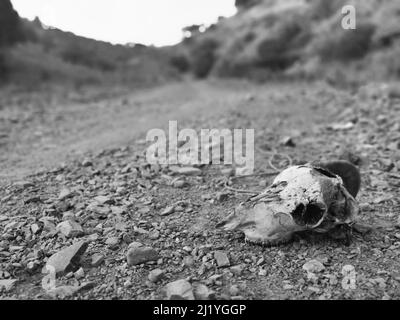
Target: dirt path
[[45, 133]]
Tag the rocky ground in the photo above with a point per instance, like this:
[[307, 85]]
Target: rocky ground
[[110, 226]]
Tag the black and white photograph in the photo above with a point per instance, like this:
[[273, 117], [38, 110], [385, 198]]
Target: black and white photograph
[[219, 152]]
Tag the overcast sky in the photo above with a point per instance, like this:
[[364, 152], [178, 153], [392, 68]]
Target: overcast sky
[[157, 22]]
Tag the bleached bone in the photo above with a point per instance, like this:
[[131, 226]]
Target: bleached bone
[[300, 198]]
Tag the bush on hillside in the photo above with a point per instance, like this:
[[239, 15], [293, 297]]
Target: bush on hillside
[[30, 65], [279, 49], [228, 68], [345, 45], [80, 55], [203, 57], [180, 62]]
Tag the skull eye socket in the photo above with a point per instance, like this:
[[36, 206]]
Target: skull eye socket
[[310, 214], [313, 214], [325, 172]]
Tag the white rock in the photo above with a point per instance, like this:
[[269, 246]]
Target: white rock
[[97, 259], [202, 292], [236, 270], [67, 259], [156, 275], [138, 254], [179, 290], [64, 194], [168, 210], [313, 266], [222, 259], [79, 274], [70, 229], [244, 171], [35, 228]]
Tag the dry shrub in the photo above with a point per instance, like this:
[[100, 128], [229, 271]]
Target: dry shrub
[[180, 62], [384, 64], [29, 64], [226, 68], [81, 55], [344, 45], [203, 57], [281, 48], [237, 57]]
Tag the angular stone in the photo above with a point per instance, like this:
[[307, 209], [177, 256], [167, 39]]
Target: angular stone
[[138, 254], [236, 270], [65, 194], [87, 163], [35, 228], [63, 291], [222, 196], [168, 210], [179, 290], [154, 235], [103, 200], [234, 290], [179, 184], [48, 225], [67, 259], [188, 261], [69, 215], [156, 275], [23, 184], [113, 243], [7, 284], [313, 266], [201, 292], [243, 171], [287, 141], [70, 229], [341, 126], [79, 274], [97, 260], [222, 259], [100, 211]]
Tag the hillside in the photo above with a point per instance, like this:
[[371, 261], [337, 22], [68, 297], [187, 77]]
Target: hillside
[[300, 38], [34, 53]]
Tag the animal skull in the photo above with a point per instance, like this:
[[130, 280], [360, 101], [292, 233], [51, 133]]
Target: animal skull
[[300, 198]]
